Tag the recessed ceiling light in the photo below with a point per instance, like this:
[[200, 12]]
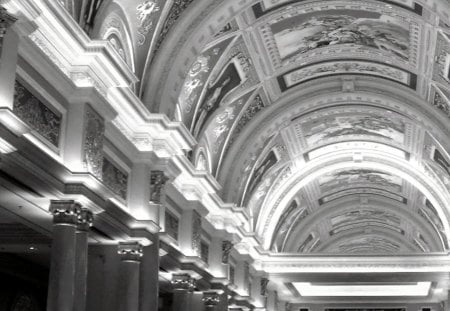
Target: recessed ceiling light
[[412, 289]]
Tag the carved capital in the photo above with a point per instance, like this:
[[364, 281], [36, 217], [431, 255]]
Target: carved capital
[[157, 182], [6, 20], [65, 211], [130, 251], [183, 282], [85, 219], [227, 246], [211, 299]]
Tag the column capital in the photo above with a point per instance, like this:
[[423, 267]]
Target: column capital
[[6, 20], [65, 211], [227, 246], [183, 282], [130, 251], [211, 298], [85, 219]]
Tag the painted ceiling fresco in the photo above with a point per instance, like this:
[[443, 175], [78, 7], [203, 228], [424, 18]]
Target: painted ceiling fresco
[[280, 86]]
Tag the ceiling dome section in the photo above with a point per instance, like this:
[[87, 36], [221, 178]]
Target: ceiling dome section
[[326, 120]]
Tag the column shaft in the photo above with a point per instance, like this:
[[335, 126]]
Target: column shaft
[[62, 267], [149, 285], [129, 271]]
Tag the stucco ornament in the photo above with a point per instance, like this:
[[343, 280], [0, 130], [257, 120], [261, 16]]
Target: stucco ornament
[[145, 13]]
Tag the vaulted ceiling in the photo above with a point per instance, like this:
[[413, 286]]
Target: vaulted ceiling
[[327, 120]]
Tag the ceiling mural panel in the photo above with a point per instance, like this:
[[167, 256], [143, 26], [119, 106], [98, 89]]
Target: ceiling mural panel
[[338, 180], [298, 33], [350, 124], [367, 245]]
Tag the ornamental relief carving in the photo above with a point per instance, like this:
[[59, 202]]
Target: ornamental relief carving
[[114, 178], [36, 114], [196, 233], [93, 142]]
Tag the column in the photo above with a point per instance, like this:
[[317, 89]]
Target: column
[[272, 300], [211, 299], [183, 286], [85, 220], [149, 284], [9, 45], [128, 291], [191, 227], [62, 267]]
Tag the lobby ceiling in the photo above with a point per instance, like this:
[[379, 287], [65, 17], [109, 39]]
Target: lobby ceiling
[[326, 120]]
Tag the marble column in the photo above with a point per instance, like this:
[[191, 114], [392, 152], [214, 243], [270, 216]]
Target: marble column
[[85, 220], [211, 299], [149, 285], [9, 46], [183, 286], [128, 291], [62, 268]]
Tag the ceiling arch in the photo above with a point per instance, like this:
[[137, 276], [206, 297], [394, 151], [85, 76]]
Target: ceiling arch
[[317, 102]]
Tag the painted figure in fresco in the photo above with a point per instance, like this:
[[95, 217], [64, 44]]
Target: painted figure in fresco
[[305, 32], [89, 10], [228, 80]]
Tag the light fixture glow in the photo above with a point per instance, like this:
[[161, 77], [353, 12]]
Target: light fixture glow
[[363, 290]]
